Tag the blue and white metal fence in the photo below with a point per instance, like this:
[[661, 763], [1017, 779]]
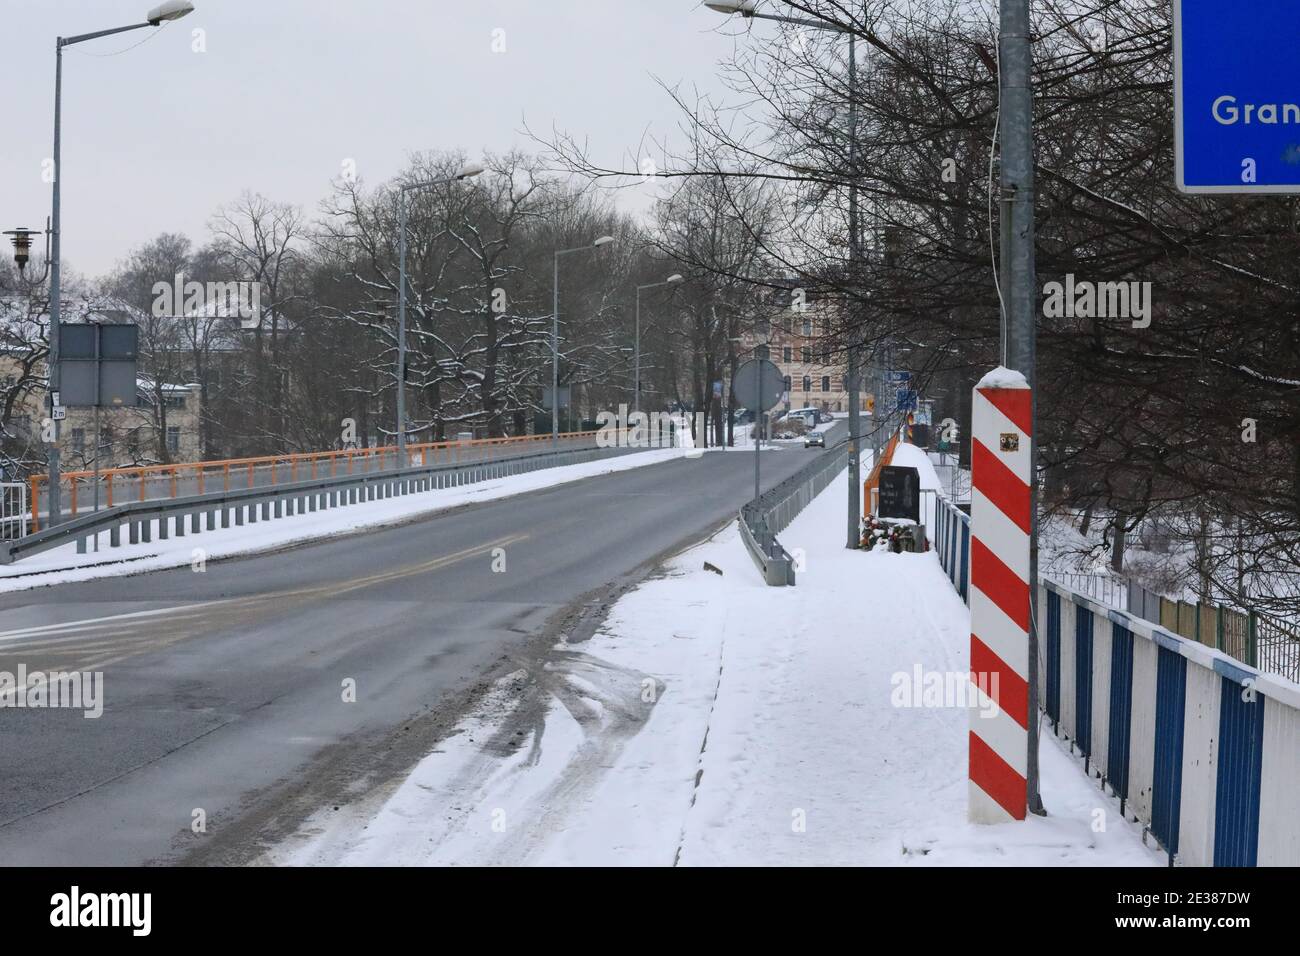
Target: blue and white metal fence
[[950, 537], [1199, 748]]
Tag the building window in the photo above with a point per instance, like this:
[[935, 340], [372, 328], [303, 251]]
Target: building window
[[807, 383], [807, 327], [789, 355], [805, 355], [789, 324], [787, 383], [826, 383], [763, 351], [78, 440], [173, 438]]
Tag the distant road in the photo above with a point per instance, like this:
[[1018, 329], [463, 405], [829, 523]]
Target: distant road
[[224, 688]]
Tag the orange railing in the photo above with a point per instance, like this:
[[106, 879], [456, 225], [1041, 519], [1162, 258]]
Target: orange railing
[[136, 481], [873, 479]]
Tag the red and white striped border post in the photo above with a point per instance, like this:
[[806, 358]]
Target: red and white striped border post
[[1001, 472]]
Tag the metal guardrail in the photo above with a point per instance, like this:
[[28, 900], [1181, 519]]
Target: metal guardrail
[[284, 500], [144, 482], [762, 519]]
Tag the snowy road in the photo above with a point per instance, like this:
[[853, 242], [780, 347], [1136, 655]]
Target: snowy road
[[240, 699]]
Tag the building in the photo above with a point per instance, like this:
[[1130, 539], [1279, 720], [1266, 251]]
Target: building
[[163, 425], [797, 338]]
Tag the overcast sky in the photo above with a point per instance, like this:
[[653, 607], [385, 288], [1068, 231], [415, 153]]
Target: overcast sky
[[156, 137]]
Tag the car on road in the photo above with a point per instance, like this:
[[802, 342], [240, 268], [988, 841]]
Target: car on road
[[814, 438]]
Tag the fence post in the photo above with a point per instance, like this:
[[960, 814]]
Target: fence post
[[1252, 638], [1218, 626]]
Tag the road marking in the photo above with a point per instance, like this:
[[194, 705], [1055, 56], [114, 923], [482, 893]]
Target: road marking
[[125, 630], [108, 620]]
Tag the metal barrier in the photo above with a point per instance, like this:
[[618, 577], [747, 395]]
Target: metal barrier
[[283, 500], [199, 477], [951, 542], [1253, 638], [762, 519], [13, 510], [1198, 747], [1113, 592]]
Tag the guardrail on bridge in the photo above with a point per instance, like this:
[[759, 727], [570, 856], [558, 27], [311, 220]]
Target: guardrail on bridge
[[278, 501]]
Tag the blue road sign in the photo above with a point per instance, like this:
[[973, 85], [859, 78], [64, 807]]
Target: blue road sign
[[906, 400], [1236, 102], [899, 378]]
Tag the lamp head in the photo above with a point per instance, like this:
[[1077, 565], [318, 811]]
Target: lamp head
[[22, 240], [168, 10], [744, 7]]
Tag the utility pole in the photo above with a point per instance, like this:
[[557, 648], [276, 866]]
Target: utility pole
[[855, 248], [1020, 297]]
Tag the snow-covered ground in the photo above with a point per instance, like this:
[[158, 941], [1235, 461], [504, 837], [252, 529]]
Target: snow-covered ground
[[714, 720], [63, 564]]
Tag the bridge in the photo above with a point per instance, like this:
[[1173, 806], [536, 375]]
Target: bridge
[[228, 689]]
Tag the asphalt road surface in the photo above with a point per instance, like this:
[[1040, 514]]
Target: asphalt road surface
[[224, 722]]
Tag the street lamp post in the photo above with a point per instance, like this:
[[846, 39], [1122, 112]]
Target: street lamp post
[[555, 335], [673, 279], [466, 171], [170, 10], [748, 10]]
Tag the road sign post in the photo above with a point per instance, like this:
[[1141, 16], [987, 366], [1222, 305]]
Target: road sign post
[[762, 380], [1236, 105]]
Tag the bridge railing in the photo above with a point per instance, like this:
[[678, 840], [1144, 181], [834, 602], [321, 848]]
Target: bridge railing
[[1198, 747], [146, 482], [195, 513], [950, 538], [13, 509]]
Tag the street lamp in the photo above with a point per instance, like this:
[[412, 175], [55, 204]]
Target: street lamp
[[673, 279], [22, 240], [748, 9], [555, 336], [465, 172], [171, 10]]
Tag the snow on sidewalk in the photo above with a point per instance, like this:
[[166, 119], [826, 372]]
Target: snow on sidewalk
[[714, 720]]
